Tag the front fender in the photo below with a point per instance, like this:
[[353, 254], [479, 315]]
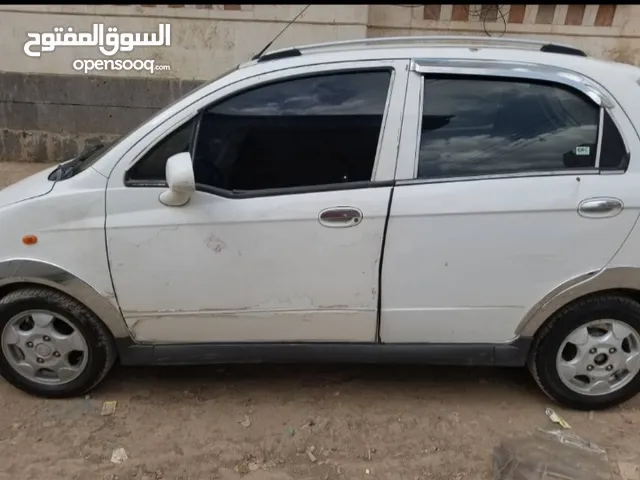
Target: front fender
[[46, 274]]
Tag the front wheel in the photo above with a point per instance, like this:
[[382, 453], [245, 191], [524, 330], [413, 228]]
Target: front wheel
[[587, 356], [52, 346]]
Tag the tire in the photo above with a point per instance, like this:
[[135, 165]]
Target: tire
[[88, 371], [545, 361]]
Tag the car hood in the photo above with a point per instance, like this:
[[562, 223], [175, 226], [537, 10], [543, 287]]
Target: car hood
[[33, 186]]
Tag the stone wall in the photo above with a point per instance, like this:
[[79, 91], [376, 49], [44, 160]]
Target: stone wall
[[49, 118], [49, 111]]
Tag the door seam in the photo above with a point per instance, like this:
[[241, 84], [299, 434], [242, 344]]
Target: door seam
[[382, 247]]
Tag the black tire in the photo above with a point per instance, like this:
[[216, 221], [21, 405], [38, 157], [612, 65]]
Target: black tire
[[101, 354], [542, 360]]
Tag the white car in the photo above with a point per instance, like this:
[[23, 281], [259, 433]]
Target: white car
[[447, 200]]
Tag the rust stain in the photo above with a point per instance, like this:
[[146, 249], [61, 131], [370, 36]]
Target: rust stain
[[460, 13], [605, 15], [516, 13], [432, 12], [575, 15]]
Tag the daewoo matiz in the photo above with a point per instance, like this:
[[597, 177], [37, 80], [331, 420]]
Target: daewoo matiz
[[419, 200]]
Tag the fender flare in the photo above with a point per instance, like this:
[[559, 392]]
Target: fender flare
[[609, 278], [46, 274]]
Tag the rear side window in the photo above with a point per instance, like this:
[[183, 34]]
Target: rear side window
[[486, 126], [613, 155]]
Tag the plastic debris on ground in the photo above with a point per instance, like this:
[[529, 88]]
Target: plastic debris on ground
[[555, 418], [549, 455], [245, 422], [109, 408]]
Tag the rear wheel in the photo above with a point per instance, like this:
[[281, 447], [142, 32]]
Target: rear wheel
[[587, 357], [52, 346]]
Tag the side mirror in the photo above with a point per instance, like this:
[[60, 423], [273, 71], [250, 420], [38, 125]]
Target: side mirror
[[181, 180]]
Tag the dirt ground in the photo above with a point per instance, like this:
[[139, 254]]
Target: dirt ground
[[288, 422]]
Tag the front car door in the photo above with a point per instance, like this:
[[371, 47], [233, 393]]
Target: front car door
[[282, 239], [511, 182]]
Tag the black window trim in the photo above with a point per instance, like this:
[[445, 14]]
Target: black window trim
[[220, 192], [603, 108]]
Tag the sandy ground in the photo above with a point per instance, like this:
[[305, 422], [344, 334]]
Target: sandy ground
[[258, 422]]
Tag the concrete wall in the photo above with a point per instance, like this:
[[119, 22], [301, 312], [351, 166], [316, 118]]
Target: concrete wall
[[49, 111], [205, 42]]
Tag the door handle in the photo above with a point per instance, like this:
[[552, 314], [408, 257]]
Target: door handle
[[600, 207], [340, 217]]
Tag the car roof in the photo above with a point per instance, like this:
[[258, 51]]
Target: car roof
[[439, 46]]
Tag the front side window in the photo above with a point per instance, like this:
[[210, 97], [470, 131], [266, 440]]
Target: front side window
[[152, 166], [486, 126], [308, 131]]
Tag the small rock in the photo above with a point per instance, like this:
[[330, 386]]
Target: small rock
[[228, 474], [322, 424], [367, 471], [254, 466], [310, 454], [119, 455], [629, 471], [245, 422]]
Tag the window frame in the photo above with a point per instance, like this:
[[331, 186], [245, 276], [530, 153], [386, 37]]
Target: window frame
[[365, 66], [507, 71]]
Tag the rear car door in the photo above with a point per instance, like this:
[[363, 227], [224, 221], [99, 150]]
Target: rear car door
[[511, 182]]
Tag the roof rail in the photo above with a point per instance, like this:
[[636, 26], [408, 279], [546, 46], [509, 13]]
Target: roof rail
[[421, 40]]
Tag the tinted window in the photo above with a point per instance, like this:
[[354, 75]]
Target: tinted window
[[614, 153], [303, 132], [152, 166], [478, 127]]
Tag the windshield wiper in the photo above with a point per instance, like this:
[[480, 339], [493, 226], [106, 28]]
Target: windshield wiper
[[70, 168]]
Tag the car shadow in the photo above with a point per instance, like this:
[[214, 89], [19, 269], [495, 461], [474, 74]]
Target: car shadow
[[459, 384]]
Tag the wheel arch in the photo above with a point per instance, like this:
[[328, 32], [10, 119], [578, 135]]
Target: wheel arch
[[16, 274], [621, 280]]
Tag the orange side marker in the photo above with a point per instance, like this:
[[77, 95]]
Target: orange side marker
[[29, 239]]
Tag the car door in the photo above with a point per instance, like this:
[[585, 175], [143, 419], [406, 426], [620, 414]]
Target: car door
[[512, 183], [282, 239]]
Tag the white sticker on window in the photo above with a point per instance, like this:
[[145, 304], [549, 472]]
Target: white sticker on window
[[583, 150]]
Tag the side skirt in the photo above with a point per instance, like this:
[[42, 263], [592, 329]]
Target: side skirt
[[513, 354]]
